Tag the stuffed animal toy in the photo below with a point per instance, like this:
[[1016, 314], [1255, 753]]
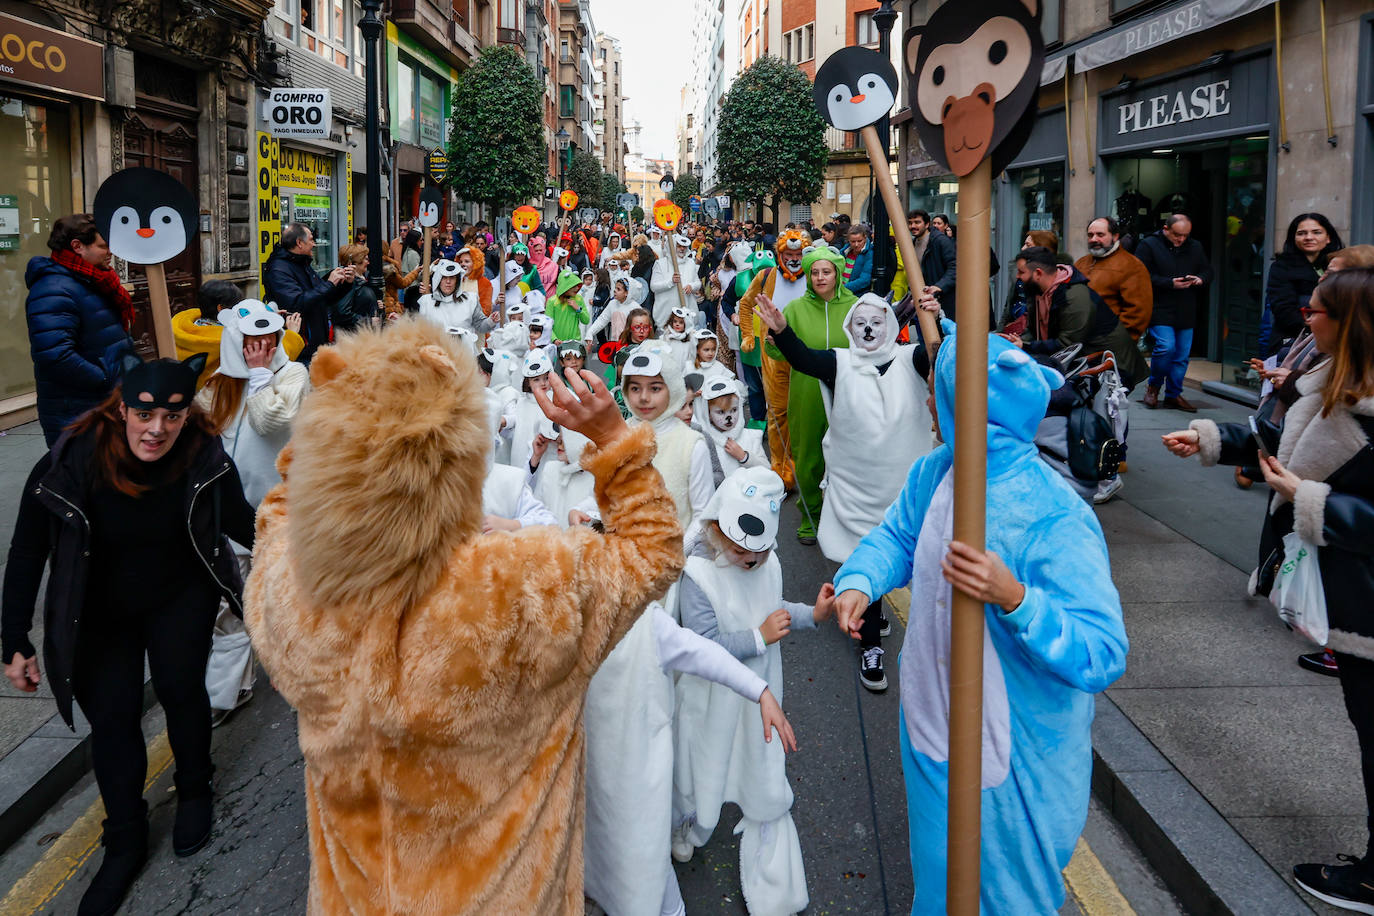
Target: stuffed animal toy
[[439, 673]]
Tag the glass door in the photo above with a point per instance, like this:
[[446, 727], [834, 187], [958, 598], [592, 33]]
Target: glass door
[[1241, 270]]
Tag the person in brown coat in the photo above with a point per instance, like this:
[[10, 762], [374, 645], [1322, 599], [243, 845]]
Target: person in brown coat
[[439, 673], [1117, 276]]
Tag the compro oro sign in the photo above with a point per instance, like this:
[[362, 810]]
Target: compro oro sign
[[48, 59], [297, 113]]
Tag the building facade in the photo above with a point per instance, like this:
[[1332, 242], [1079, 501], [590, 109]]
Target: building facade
[[1149, 109], [609, 107], [104, 87]]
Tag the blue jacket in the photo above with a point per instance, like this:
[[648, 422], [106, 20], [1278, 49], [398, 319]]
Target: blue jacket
[[76, 340], [861, 276], [1042, 662]]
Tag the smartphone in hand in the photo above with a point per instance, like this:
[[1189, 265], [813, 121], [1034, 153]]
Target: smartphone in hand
[[1259, 439]]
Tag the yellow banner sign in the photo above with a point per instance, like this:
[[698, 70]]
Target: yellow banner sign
[[304, 170], [269, 200]]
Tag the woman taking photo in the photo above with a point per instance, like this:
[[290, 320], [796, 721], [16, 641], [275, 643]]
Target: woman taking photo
[[1309, 244], [131, 508], [1321, 469]]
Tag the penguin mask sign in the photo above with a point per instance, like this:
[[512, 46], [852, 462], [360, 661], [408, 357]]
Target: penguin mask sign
[[148, 218], [431, 204], [854, 88]]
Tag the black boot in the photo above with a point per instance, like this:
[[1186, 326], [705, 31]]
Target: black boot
[[195, 816], [126, 851]]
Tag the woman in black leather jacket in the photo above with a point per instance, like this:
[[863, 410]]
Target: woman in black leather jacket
[[131, 508], [1321, 469]]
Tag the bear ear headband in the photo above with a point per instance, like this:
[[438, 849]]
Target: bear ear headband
[[163, 383], [645, 364]]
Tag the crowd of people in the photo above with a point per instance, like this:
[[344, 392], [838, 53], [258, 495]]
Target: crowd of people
[[561, 540]]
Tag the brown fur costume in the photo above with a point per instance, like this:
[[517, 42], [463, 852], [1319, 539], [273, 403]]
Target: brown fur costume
[[438, 672]]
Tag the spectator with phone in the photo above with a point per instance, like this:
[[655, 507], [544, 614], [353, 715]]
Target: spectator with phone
[[1322, 472], [1179, 270], [294, 286]]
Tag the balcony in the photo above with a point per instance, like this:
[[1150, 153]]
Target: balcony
[[511, 37], [434, 26]]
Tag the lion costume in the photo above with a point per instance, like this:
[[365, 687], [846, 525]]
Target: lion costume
[[781, 284], [439, 673]]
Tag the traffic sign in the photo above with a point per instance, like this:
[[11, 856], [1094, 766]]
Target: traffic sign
[[297, 113], [695, 203], [437, 165]]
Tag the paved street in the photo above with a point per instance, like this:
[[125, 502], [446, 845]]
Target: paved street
[[1211, 683]]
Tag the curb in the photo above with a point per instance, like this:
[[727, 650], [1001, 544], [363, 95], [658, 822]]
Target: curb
[[1201, 858], [45, 765]]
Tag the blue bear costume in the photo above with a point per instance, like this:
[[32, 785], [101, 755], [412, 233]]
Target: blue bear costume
[[1042, 663]]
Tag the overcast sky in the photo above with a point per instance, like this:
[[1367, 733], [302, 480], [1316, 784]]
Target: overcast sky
[[656, 40]]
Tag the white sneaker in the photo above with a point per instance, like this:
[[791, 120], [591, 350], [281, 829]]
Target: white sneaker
[[682, 846], [1105, 491]]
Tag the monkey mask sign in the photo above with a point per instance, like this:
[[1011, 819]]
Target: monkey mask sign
[[974, 72]]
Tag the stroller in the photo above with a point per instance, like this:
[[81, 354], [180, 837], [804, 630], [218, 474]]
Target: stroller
[[1083, 434]]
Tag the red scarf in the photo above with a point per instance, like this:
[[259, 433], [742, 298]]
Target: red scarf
[[1063, 273], [104, 280]]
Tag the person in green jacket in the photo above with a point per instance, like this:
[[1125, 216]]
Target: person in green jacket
[[817, 317], [567, 308]]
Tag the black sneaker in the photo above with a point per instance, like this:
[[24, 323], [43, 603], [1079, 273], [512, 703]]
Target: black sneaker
[[1322, 662], [884, 626], [1350, 886], [871, 669]]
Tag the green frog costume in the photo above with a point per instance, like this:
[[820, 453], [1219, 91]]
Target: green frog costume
[[819, 323]]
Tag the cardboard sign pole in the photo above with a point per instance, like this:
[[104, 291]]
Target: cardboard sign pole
[[162, 311], [930, 327], [970, 500], [672, 256], [424, 272]]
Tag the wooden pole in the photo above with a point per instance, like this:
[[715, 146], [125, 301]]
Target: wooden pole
[[882, 177], [672, 256], [970, 499], [162, 311], [424, 271]]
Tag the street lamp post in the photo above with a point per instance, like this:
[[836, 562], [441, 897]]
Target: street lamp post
[[371, 28], [884, 259]]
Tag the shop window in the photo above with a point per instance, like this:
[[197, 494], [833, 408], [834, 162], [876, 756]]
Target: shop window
[[431, 111], [35, 158], [406, 114]]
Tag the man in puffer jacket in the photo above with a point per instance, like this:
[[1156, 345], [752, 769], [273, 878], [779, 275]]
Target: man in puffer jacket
[[78, 315], [293, 286]]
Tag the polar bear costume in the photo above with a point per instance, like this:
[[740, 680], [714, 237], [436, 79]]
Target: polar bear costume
[[722, 423], [460, 309], [720, 757]]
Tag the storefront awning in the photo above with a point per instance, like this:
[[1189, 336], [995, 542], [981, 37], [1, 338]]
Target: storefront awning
[[1053, 69], [1178, 21]]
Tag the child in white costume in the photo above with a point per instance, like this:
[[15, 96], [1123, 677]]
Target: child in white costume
[[503, 372], [508, 503], [654, 392], [875, 396], [705, 344], [719, 414], [448, 305], [678, 336], [627, 293], [735, 598], [255, 433], [528, 416], [629, 775], [513, 336], [560, 482]]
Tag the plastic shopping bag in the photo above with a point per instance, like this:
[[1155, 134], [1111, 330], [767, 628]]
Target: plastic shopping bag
[[1298, 591]]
